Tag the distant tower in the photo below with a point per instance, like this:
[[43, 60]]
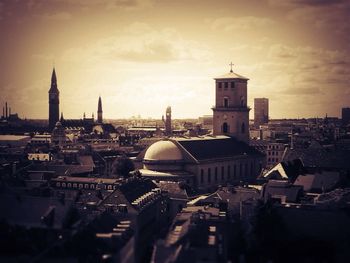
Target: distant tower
[[230, 113], [99, 110], [168, 130], [261, 111], [53, 101]]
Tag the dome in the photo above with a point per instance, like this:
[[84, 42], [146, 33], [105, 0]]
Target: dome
[[163, 151]]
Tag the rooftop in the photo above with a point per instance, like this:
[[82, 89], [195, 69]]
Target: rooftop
[[231, 75]]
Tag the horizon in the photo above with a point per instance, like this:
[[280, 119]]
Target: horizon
[[140, 56]]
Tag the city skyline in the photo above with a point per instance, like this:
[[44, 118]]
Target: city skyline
[[142, 56]]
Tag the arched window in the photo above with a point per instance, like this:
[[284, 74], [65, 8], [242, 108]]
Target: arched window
[[243, 127], [242, 101], [225, 128], [225, 102]]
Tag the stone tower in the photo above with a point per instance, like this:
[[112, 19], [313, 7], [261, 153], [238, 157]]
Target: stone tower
[[230, 113], [54, 101], [99, 110], [168, 130]]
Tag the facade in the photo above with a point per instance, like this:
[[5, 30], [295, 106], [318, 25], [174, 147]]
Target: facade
[[54, 101], [203, 162], [99, 111], [261, 111], [231, 113]]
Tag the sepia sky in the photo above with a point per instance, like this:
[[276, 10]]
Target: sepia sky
[[143, 55]]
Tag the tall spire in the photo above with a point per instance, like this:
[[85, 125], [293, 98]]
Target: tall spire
[[53, 76], [54, 101], [53, 81], [99, 110]]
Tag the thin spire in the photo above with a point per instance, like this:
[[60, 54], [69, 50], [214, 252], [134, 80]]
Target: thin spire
[[99, 107], [53, 76]]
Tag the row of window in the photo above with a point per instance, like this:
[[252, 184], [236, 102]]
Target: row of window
[[85, 186], [272, 153], [238, 172], [273, 147], [273, 160], [225, 85]]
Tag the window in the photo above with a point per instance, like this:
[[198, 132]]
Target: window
[[228, 172], [242, 101], [58, 184], [246, 169], [240, 170], [63, 184], [225, 128], [86, 186], [232, 84], [92, 186], [80, 186], [225, 102], [226, 85], [219, 85], [209, 175], [222, 173], [216, 174], [202, 176], [69, 185], [75, 185]]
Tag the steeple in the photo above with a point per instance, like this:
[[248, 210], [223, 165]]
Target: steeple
[[99, 110], [53, 82], [54, 101]]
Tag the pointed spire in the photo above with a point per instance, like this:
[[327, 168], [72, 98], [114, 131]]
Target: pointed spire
[[53, 76], [99, 107], [61, 119]]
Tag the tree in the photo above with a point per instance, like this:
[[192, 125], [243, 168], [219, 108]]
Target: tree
[[122, 166]]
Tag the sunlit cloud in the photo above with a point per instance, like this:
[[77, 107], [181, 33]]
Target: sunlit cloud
[[240, 23]]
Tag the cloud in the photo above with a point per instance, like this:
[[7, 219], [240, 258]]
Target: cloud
[[244, 22], [139, 42], [302, 91], [58, 16], [304, 2]]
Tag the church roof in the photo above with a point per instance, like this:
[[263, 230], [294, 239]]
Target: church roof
[[216, 147], [231, 75]]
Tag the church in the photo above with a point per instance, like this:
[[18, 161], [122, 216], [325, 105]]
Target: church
[[205, 162], [85, 124]]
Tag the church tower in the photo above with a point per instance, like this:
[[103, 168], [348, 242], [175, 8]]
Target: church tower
[[99, 110], [168, 130], [54, 101], [230, 113]]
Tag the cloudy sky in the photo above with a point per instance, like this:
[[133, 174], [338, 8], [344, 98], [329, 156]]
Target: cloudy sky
[[143, 55]]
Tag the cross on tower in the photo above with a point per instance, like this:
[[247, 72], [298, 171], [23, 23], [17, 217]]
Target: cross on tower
[[231, 64]]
